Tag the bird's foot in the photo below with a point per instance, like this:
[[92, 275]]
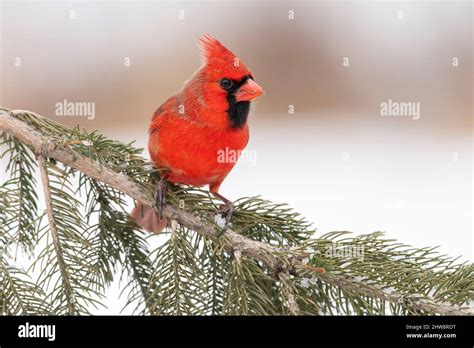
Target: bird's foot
[[160, 197], [226, 210]]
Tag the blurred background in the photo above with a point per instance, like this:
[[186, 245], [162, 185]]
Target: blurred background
[[318, 139]]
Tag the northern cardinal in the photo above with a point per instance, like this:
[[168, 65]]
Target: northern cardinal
[[191, 128]]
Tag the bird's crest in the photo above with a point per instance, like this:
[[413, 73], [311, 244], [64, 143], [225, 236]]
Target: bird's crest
[[217, 55]]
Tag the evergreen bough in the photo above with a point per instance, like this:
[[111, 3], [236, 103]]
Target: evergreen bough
[[271, 261]]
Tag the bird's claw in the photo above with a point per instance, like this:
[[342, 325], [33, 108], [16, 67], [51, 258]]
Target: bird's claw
[[226, 210], [160, 197]]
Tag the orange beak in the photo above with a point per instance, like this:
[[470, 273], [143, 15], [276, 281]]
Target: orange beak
[[249, 91]]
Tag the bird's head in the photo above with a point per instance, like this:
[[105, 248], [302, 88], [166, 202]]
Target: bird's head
[[226, 82]]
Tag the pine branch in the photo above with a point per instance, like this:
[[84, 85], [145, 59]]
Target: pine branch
[[71, 305], [67, 268], [362, 286], [17, 219], [18, 295], [177, 285], [117, 241]]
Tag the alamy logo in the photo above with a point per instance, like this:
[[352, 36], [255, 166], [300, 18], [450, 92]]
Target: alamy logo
[[406, 109], [345, 251], [68, 108], [33, 331], [228, 155]]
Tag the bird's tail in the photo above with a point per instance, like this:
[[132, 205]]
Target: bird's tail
[[147, 218]]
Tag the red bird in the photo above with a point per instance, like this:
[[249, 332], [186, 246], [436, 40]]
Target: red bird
[[191, 128]]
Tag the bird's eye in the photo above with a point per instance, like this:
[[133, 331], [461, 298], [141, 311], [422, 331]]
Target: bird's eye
[[226, 83]]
